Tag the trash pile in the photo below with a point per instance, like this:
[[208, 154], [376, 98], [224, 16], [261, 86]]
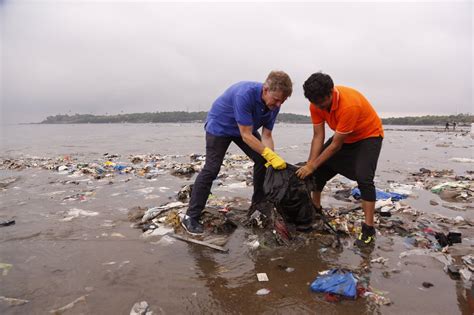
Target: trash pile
[[446, 184], [426, 234], [219, 218], [460, 191], [147, 166]]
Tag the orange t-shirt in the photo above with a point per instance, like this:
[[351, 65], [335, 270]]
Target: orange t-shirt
[[350, 114]]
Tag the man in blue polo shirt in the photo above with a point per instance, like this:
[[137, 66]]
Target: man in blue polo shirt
[[236, 116]]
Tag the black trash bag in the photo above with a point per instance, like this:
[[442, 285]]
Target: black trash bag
[[289, 194]]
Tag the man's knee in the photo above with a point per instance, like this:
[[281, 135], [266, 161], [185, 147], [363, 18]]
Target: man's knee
[[365, 181], [320, 177], [210, 172], [367, 191], [318, 187]]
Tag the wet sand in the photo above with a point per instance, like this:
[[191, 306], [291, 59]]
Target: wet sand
[[55, 262]]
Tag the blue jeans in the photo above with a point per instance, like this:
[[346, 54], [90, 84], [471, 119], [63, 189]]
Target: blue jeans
[[216, 148]]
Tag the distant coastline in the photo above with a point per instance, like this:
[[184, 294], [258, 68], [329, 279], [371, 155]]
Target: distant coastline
[[193, 117]]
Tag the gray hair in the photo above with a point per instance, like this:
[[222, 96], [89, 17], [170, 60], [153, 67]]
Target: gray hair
[[279, 81]]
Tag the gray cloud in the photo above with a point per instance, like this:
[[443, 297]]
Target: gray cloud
[[98, 57]]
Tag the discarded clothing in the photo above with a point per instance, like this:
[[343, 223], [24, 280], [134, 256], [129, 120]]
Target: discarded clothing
[[380, 195], [336, 281], [289, 194]]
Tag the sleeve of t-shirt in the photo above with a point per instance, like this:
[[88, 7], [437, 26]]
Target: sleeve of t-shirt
[[271, 120], [243, 110], [315, 117], [348, 119]]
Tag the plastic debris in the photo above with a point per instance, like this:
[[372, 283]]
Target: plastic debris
[[156, 211], [6, 268], [185, 193], [119, 235], [263, 292], [160, 231], [379, 260], [12, 301], [262, 277], [253, 242], [459, 190], [380, 195], [258, 218], [140, 308], [393, 219], [336, 281], [453, 270], [75, 213], [403, 189], [6, 222], [468, 260], [466, 274], [377, 298], [462, 160], [69, 306]]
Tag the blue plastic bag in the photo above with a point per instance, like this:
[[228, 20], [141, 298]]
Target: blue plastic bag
[[379, 194], [336, 281], [119, 167]]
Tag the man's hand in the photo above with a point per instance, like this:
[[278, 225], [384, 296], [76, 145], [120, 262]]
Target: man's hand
[[304, 171], [274, 159]]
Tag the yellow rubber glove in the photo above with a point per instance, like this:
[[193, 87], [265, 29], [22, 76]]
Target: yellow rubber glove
[[274, 159]]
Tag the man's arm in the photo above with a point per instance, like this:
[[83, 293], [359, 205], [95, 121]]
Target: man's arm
[[313, 164], [263, 147], [317, 142], [336, 145], [247, 135], [267, 138]]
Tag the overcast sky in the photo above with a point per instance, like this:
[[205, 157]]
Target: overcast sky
[[408, 58]]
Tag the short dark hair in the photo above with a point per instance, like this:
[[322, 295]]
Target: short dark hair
[[317, 87]]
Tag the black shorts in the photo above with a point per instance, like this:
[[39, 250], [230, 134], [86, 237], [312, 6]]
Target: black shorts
[[356, 161]]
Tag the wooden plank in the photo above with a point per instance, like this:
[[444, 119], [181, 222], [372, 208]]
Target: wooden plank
[[192, 240]]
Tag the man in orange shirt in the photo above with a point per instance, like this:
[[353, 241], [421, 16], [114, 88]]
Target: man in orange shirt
[[352, 151]]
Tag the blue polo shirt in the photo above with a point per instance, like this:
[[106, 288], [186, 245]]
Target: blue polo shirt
[[240, 104]]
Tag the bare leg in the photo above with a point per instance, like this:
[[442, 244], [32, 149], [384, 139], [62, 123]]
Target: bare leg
[[369, 209], [316, 199]]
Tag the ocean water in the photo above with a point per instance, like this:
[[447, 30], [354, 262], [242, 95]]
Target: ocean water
[[404, 147]]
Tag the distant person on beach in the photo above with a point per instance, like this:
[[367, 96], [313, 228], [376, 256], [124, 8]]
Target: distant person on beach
[[352, 151], [236, 116], [447, 126], [454, 125]]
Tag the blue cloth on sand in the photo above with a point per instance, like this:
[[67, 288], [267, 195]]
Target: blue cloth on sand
[[379, 194]]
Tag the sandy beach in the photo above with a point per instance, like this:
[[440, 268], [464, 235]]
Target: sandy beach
[[73, 249]]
